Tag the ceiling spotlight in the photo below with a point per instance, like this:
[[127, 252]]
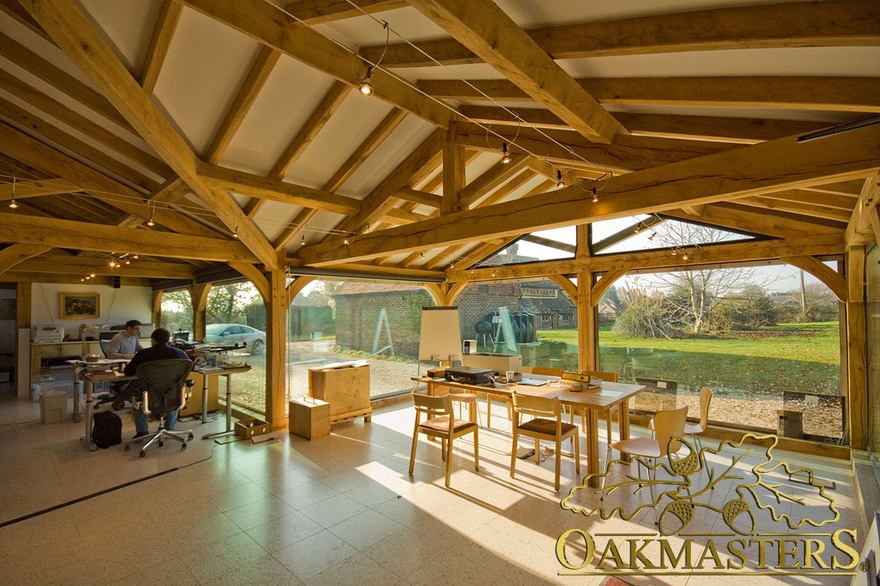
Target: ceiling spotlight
[[135, 257], [302, 241], [366, 86], [637, 230], [150, 222], [595, 195], [235, 232], [505, 158], [92, 276], [674, 253], [651, 237], [128, 262], [12, 203], [685, 256], [346, 242], [559, 182]]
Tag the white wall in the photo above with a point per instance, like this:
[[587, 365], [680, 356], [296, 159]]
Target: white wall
[[117, 306]]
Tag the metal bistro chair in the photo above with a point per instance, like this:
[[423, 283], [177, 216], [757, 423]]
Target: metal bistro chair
[[163, 382], [440, 422]]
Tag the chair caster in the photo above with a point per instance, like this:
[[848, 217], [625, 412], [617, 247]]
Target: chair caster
[[126, 448], [161, 444], [143, 454], [182, 446], [191, 436]]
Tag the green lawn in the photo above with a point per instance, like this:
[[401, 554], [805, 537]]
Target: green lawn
[[788, 357]]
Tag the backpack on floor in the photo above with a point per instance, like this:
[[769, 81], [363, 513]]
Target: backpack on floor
[[107, 429]]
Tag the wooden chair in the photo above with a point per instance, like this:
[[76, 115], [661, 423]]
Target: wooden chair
[[668, 427], [546, 425], [694, 430], [440, 422]]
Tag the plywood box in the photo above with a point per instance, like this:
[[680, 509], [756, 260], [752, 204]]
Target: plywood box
[[309, 418], [346, 386], [248, 428]]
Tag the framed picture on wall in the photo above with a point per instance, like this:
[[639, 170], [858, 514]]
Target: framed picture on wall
[[80, 305]]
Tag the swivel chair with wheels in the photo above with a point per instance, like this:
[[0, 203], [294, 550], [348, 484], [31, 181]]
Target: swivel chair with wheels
[[163, 382]]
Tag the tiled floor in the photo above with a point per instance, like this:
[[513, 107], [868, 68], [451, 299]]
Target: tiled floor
[[341, 510]]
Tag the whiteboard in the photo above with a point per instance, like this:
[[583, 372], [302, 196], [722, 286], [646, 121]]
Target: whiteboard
[[440, 336]]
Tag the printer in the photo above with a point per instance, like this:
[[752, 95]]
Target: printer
[[47, 334]]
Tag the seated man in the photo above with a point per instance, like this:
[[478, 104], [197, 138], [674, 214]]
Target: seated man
[[160, 350], [125, 345]]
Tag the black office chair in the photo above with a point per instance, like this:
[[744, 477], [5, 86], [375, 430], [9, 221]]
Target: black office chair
[[162, 383]]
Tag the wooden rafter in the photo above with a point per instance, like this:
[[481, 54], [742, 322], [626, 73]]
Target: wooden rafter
[[321, 11], [803, 24], [276, 29], [241, 105], [714, 255], [166, 24], [76, 36], [750, 170], [847, 94], [628, 153], [85, 150], [101, 238], [490, 33], [69, 264], [830, 278], [18, 253], [36, 154], [84, 125], [36, 188]]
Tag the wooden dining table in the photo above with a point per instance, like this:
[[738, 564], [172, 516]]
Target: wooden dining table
[[592, 403]]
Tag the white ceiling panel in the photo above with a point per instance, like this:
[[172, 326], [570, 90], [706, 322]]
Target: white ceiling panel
[[128, 24]]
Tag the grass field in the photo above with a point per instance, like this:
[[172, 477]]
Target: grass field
[[785, 358]]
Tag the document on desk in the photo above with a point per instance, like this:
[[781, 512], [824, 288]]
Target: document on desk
[[604, 393]]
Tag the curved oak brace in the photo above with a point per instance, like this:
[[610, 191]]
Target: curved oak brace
[[16, 253], [295, 286], [255, 276], [438, 292], [157, 306], [198, 294], [818, 269], [567, 285], [608, 279]]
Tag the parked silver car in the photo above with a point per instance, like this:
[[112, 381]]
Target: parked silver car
[[236, 334]]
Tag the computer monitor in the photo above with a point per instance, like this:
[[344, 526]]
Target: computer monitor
[[184, 336]]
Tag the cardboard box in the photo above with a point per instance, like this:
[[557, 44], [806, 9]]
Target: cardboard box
[[309, 418], [53, 406], [248, 428]]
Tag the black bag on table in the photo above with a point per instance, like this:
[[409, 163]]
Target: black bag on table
[[107, 429]]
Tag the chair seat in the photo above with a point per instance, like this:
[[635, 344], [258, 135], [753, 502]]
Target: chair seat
[[693, 429], [463, 397], [642, 446], [546, 426], [441, 424]]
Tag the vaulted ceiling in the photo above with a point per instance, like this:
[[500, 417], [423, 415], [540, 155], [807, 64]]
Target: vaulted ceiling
[[181, 135]]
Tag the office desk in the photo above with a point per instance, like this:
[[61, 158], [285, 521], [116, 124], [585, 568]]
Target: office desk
[[89, 378], [207, 371], [592, 403]]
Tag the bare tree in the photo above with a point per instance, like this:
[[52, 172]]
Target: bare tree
[[693, 294]]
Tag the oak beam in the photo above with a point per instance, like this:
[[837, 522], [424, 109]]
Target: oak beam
[[323, 11], [829, 277], [272, 27], [17, 253], [241, 105], [166, 24], [856, 350], [66, 263], [37, 188], [89, 236], [490, 33], [751, 170], [848, 94]]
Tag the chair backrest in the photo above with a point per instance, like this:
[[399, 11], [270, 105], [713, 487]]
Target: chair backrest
[[432, 406], [105, 347], [546, 407], [706, 395], [610, 377], [667, 425], [547, 371], [164, 380]]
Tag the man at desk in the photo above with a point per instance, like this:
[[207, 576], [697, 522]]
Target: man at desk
[[160, 350], [125, 345]]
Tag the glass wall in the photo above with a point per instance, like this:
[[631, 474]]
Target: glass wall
[[872, 311], [176, 311], [765, 339], [236, 316]]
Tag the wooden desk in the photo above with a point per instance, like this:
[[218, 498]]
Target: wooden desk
[[593, 403]]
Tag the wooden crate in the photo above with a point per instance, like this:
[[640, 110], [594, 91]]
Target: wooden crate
[[309, 418], [346, 386]]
